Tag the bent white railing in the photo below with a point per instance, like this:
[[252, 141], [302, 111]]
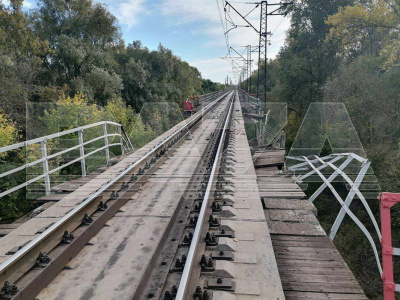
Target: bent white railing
[[125, 144], [316, 165]]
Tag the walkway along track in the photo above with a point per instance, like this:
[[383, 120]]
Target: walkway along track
[[59, 242]]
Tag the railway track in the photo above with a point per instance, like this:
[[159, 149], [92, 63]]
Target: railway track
[[34, 265], [185, 217]]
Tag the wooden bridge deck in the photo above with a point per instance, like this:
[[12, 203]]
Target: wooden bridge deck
[[309, 264]]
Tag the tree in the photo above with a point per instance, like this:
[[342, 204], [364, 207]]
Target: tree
[[364, 28], [371, 96], [8, 132], [155, 76], [83, 37], [20, 60], [307, 59]]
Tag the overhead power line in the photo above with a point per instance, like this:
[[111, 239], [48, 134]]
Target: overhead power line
[[263, 33]]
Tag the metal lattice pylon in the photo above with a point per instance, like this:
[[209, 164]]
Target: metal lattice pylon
[[262, 50]]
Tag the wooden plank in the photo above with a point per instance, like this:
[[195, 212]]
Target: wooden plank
[[283, 270], [282, 194], [273, 179], [278, 227], [309, 256], [322, 287], [328, 252], [266, 159], [52, 198], [7, 228], [309, 262], [278, 243], [291, 215], [10, 226], [281, 190], [4, 232], [66, 187], [295, 277], [283, 187], [316, 239], [267, 171], [271, 203], [323, 296]]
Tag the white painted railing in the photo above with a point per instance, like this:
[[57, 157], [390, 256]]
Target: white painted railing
[[316, 165], [125, 144]]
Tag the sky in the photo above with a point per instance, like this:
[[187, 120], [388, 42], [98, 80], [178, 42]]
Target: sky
[[192, 29]]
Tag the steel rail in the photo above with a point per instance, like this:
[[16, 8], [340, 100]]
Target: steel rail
[[42, 237], [184, 282]]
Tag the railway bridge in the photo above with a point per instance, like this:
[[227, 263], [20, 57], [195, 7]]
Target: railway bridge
[[196, 213]]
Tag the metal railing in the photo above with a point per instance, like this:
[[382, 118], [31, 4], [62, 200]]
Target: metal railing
[[249, 98], [387, 201], [45, 157], [319, 163]]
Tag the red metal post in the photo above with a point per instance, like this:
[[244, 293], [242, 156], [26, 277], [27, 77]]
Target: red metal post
[[388, 200]]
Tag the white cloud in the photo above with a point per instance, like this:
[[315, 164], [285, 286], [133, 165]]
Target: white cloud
[[128, 12]]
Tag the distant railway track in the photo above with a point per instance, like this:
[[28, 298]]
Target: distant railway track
[[191, 271]]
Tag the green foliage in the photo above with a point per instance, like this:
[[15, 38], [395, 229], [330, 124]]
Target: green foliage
[[364, 27], [156, 76], [137, 131], [391, 55], [83, 37], [346, 51], [72, 112], [8, 132], [20, 60], [371, 96], [11, 204], [208, 86]]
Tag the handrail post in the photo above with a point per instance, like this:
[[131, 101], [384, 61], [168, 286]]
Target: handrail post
[[387, 201], [45, 167], [106, 142], [120, 139], [82, 152]]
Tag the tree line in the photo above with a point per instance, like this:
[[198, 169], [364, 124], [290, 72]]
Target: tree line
[[61, 48]]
